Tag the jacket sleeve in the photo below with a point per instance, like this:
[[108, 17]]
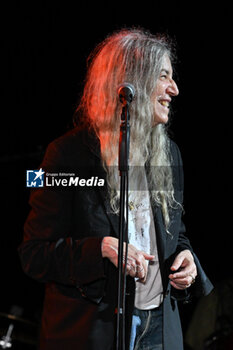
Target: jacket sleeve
[[202, 286], [48, 251], [178, 180]]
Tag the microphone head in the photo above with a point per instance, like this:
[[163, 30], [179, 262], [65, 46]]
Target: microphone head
[[126, 92]]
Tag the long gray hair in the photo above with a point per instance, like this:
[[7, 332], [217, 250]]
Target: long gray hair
[[134, 56]]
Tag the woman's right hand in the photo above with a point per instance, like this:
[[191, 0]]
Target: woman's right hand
[[136, 266]]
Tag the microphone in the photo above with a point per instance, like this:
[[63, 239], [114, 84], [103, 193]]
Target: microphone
[[126, 92]]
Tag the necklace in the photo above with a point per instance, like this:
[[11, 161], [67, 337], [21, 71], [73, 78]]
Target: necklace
[[133, 206]]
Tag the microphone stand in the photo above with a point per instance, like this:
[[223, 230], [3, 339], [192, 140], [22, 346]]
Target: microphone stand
[[123, 223]]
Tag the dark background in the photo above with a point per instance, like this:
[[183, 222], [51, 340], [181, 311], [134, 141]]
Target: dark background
[[44, 47]]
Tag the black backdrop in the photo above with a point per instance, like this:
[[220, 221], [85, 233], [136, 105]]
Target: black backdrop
[[44, 47]]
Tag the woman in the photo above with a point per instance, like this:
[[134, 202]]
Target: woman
[[71, 235]]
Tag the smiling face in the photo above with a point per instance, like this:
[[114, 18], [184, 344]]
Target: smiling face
[[165, 89]]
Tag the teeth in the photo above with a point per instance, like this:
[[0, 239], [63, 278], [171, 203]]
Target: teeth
[[164, 103]]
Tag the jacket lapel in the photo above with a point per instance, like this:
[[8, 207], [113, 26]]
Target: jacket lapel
[[113, 218], [103, 193], [93, 144], [161, 236]]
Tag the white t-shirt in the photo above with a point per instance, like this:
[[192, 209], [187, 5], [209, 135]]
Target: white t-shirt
[[141, 233]]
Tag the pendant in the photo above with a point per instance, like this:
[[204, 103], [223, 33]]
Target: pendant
[[131, 205]]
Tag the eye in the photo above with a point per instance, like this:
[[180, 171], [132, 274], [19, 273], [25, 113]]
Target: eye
[[163, 76]]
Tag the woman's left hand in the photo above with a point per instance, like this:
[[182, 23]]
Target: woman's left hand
[[186, 270]]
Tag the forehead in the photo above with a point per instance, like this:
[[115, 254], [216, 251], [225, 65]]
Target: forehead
[[166, 64]]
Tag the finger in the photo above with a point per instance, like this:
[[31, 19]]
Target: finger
[[188, 280], [131, 270], [179, 286], [139, 259], [145, 269], [140, 272], [179, 275], [148, 256], [128, 268], [177, 263], [193, 278], [139, 254], [176, 286], [182, 282], [184, 273]]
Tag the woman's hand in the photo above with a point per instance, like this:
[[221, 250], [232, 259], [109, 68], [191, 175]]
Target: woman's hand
[[136, 266], [186, 270]]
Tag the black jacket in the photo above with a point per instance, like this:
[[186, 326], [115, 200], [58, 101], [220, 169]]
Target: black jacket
[[62, 247]]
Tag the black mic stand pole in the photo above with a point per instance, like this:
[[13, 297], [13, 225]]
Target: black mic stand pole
[[123, 223]]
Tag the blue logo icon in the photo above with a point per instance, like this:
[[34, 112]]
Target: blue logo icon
[[35, 178]]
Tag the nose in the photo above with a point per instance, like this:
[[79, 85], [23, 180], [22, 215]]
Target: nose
[[172, 88]]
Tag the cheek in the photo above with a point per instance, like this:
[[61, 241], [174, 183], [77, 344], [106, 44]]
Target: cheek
[[159, 91], [160, 113], [160, 88]]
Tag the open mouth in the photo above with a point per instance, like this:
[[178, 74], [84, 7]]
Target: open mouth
[[164, 103]]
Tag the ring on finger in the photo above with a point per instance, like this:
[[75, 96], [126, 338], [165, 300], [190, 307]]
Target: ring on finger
[[133, 267], [193, 278], [140, 268], [129, 267]]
